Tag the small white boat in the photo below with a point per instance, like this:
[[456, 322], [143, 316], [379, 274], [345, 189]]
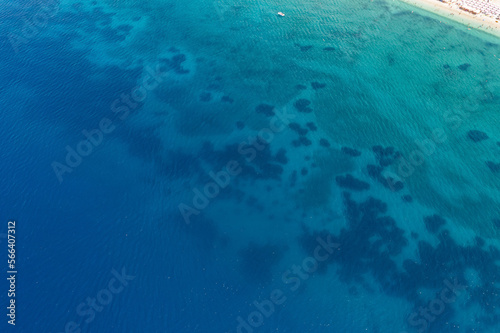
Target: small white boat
[[281, 14]]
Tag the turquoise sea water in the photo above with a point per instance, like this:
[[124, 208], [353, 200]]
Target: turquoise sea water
[[308, 173]]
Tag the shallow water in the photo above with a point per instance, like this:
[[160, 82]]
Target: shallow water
[[363, 109]]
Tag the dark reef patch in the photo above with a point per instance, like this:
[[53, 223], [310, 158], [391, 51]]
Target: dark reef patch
[[376, 172], [464, 67], [301, 141], [434, 222], [281, 156], [391, 60], [297, 128], [312, 126], [350, 151], [305, 141], [175, 64], [385, 156], [351, 183], [370, 243], [328, 48], [302, 105], [255, 159], [494, 167], [324, 143], [304, 48], [265, 109], [366, 245], [316, 85], [477, 136], [227, 99]]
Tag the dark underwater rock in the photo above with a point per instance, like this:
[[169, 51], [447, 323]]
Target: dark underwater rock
[[477, 136], [434, 222], [494, 167], [316, 85], [303, 48], [297, 128], [302, 140], [350, 151], [281, 156], [385, 156], [464, 67], [352, 183], [305, 141], [324, 143], [312, 126], [266, 109], [174, 64], [375, 172], [227, 99], [302, 105]]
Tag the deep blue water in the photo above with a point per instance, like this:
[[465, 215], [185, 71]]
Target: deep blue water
[[310, 118]]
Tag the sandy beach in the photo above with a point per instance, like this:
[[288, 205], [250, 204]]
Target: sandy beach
[[452, 12]]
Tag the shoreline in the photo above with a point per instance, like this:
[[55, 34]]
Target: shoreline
[[452, 12]]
